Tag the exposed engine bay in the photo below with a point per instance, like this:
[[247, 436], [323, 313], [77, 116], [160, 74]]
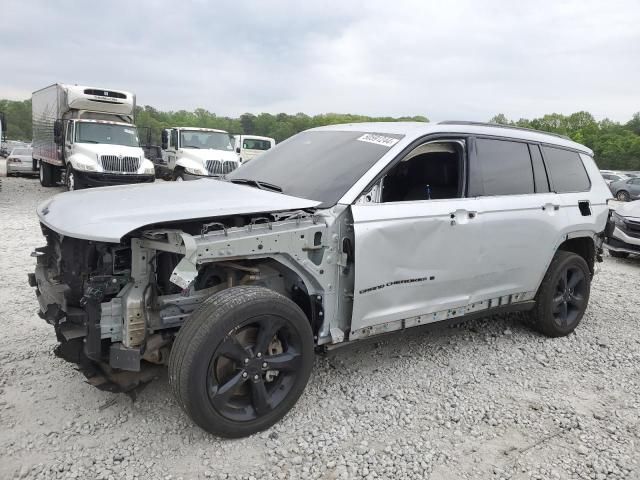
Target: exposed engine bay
[[116, 308]]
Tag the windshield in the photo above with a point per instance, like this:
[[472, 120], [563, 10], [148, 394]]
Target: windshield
[[89, 132], [204, 139], [256, 144], [21, 151], [317, 165]]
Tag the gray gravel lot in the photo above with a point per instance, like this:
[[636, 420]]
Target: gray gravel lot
[[487, 399]]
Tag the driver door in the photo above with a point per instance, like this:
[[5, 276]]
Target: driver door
[[416, 257]]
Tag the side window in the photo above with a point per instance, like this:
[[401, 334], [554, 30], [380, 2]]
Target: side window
[[69, 133], [566, 171], [635, 181], [504, 166], [174, 138], [430, 171], [539, 173]]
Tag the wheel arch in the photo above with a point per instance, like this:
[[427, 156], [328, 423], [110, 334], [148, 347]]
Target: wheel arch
[[301, 288], [582, 245]]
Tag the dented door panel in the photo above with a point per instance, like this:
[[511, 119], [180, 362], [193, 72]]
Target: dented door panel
[[413, 258]]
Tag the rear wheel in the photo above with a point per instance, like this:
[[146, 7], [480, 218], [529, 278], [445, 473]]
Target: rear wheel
[[563, 295], [623, 196], [46, 174], [241, 361]]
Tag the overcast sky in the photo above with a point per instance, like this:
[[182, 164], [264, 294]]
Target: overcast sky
[[443, 59]]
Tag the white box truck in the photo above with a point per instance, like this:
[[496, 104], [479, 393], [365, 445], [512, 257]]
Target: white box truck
[[190, 153], [250, 146], [85, 136]]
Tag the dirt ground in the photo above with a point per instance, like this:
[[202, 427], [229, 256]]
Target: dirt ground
[[487, 399]]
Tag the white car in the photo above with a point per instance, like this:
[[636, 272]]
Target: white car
[[338, 234], [20, 161], [623, 231]]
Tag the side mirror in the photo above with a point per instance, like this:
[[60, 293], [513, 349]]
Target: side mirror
[[57, 132], [165, 139], [237, 149]]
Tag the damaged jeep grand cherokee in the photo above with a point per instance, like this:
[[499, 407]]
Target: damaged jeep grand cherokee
[[338, 234]]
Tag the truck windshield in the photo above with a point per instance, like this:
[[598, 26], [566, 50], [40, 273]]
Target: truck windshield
[[89, 132], [255, 144], [204, 139], [316, 165]]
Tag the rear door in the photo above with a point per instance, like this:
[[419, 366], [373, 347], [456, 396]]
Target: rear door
[[522, 217]]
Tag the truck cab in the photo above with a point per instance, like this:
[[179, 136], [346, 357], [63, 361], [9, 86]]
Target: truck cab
[[191, 153], [99, 152], [85, 136], [249, 147]]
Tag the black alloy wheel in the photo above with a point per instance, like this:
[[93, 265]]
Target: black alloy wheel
[[241, 360], [254, 368], [570, 299], [563, 295]]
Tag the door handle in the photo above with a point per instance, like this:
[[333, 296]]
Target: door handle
[[550, 206]]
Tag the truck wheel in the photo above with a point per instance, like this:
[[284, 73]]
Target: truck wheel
[[46, 174], [241, 360], [71, 180], [563, 295]]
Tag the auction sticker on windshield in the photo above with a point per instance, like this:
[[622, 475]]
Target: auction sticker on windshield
[[378, 139]]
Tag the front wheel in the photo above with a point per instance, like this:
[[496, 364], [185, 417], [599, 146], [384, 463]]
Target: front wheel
[[241, 361], [563, 295], [71, 179]]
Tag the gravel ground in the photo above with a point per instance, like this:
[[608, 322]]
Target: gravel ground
[[488, 399]]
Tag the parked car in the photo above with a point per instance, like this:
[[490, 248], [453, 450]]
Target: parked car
[[20, 161], [611, 177], [623, 231], [338, 234], [626, 189]]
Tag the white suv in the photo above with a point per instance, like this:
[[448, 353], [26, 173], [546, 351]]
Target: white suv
[[338, 234]]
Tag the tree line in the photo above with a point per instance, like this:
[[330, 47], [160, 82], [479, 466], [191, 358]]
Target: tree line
[[616, 145]]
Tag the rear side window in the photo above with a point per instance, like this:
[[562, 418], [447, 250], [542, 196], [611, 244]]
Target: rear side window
[[539, 173], [505, 167], [566, 170]]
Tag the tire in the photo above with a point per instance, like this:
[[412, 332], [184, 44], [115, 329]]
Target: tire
[[46, 174], [563, 295], [71, 180], [235, 332], [615, 254], [178, 175], [623, 196]]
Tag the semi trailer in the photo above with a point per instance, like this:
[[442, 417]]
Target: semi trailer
[[85, 136]]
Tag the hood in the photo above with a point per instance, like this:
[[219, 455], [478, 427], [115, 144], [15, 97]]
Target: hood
[[202, 155], [106, 214], [629, 209], [93, 149]]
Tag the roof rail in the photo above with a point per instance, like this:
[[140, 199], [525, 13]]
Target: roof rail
[[500, 125]]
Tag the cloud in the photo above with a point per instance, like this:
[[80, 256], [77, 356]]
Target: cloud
[[461, 59]]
